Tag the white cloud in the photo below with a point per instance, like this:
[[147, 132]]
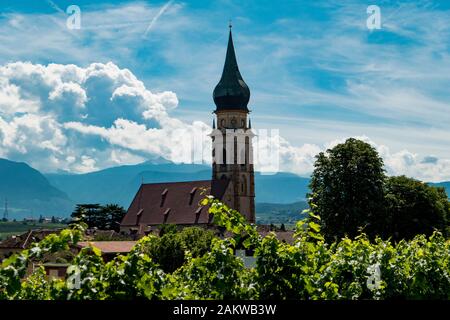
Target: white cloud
[[65, 117], [404, 162]]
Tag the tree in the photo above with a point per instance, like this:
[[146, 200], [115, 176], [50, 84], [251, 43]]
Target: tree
[[87, 213], [347, 189], [169, 249], [113, 215], [106, 217], [414, 208]]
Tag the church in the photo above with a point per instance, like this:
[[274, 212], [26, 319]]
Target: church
[[232, 180]]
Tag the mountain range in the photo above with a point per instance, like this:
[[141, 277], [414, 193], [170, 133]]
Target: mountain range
[[31, 193], [27, 192]]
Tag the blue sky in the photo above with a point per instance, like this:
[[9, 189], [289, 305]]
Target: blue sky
[[315, 71]]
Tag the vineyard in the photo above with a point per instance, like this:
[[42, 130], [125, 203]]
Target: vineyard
[[310, 268]]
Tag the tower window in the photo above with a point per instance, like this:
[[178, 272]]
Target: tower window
[[243, 158], [224, 159]]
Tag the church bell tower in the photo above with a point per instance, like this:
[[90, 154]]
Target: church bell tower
[[232, 151]]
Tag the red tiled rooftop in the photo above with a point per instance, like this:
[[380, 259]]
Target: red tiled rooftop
[[109, 246], [173, 202]]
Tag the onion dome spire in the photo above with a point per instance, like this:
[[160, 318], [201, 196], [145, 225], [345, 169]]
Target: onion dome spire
[[231, 93]]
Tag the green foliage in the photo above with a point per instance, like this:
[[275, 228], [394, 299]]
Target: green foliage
[[351, 194], [347, 189], [169, 250], [14, 269], [413, 207], [310, 268], [167, 228], [219, 274], [134, 275]]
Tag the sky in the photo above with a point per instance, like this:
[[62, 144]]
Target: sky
[[137, 78]]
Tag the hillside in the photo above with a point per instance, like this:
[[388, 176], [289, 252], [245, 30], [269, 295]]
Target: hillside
[[445, 185], [119, 184], [277, 213], [29, 192]]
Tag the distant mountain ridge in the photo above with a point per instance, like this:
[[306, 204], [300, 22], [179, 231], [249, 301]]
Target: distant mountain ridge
[[119, 184], [446, 186], [31, 193], [28, 192]]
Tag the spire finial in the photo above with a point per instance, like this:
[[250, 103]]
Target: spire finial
[[231, 93], [230, 25]]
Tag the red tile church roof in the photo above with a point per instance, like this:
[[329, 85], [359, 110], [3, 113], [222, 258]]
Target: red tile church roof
[[173, 203], [109, 246]]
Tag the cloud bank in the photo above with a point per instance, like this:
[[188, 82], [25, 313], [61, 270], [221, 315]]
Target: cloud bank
[[69, 118], [63, 117]]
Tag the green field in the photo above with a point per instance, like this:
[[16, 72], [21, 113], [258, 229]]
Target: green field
[[15, 228]]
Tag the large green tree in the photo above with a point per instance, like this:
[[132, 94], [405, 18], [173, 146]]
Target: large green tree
[[106, 217], [347, 189], [413, 208]]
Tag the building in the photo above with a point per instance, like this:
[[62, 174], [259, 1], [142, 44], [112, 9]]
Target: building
[[232, 179], [15, 244]]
